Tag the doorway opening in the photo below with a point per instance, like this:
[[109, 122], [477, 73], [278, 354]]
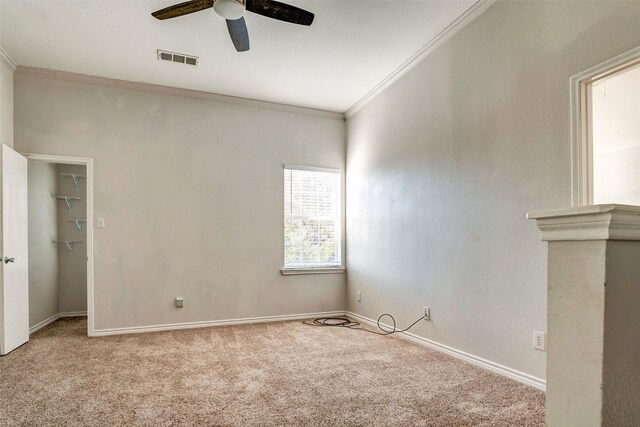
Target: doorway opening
[[60, 220], [615, 125], [605, 101]]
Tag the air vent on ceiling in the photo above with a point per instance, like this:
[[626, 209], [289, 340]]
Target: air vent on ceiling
[[180, 58]]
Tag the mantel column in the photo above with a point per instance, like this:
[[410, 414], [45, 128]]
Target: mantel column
[[593, 315]]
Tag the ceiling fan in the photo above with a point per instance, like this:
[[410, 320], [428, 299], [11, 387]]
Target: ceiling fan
[[232, 11]]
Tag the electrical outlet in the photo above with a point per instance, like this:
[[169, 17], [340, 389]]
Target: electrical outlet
[[539, 340], [427, 313], [179, 302], [359, 296]]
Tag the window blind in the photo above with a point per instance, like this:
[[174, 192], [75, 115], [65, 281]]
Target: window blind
[[312, 214]]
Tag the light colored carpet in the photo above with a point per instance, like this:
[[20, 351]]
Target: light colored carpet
[[276, 374]]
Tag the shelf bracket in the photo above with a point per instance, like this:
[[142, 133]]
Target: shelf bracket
[[68, 243], [76, 179], [78, 223], [68, 200]]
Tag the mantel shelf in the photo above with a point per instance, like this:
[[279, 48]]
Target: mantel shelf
[[596, 222]]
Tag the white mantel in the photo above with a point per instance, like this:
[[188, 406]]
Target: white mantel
[[596, 222], [593, 315]]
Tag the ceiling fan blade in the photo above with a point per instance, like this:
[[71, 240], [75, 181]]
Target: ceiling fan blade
[[182, 9], [283, 12], [239, 35]]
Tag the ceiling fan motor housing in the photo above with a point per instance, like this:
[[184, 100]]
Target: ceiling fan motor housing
[[230, 9]]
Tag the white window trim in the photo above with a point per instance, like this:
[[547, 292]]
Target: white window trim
[[312, 169], [317, 270], [341, 269], [581, 138]]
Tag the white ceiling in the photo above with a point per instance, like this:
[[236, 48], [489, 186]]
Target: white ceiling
[[351, 46]]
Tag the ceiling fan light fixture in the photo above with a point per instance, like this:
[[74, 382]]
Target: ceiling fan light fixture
[[229, 9], [232, 11]]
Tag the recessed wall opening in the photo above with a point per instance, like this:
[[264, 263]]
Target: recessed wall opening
[[60, 240], [615, 138], [606, 132]]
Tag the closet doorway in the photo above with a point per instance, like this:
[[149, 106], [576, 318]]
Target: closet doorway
[[60, 239]]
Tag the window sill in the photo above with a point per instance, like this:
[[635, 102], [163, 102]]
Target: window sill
[[323, 270]]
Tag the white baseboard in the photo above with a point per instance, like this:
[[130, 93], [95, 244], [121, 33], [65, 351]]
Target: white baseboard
[[55, 317], [44, 323], [73, 314], [515, 375], [210, 323]]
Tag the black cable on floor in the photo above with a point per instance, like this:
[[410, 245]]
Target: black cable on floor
[[345, 322]]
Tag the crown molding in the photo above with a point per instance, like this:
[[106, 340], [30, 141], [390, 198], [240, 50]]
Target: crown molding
[[7, 60], [463, 20], [45, 73]]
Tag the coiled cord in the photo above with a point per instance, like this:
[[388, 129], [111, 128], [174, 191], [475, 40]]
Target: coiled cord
[[345, 322]]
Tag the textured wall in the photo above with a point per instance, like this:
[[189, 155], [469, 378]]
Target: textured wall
[[43, 255], [72, 267], [444, 164], [621, 376], [594, 333], [577, 276], [192, 194]]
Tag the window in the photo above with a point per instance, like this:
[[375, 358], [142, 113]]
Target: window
[[312, 213]]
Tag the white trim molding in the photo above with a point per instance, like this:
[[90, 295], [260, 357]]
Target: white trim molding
[[55, 317], [521, 377], [88, 162], [73, 314], [581, 144], [44, 323], [596, 222], [211, 323], [463, 20], [311, 168], [44, 73], [301, 271], [7, 60]]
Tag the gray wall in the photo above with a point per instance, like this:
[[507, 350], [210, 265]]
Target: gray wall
[[6, 99], [444, 164], [72, 266], [192, 194], [6, 104], [43, 255]]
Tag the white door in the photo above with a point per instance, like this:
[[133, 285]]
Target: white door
[[14, 269]]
